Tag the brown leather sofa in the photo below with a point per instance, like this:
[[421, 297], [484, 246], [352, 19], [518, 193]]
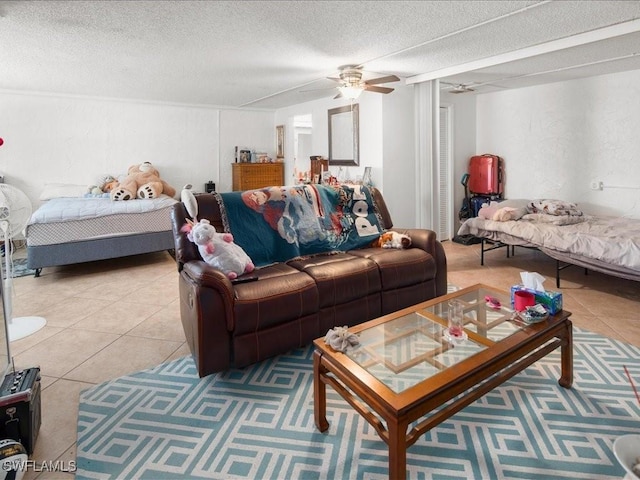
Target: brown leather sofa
[[236, 324]]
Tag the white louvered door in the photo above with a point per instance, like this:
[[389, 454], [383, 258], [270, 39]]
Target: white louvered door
[[444, 223]]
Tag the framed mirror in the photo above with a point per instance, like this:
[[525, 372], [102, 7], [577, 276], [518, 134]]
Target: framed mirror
[[344, 135]]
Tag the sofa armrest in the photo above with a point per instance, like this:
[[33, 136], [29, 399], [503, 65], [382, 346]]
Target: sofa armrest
[[205, 276], [427, 241]]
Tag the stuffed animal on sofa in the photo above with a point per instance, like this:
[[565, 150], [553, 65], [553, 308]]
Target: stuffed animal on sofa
[[142, 181], [392, 239], [218, 249]]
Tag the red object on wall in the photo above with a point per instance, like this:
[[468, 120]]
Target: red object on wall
[[486, 175], [1, 142]]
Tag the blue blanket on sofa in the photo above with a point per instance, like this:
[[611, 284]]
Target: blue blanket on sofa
[[276, 224]]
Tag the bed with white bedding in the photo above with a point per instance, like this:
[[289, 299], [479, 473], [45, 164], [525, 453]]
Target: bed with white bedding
[[606, 244], [67, 230]]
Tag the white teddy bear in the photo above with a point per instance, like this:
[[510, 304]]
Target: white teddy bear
[[219, 251]]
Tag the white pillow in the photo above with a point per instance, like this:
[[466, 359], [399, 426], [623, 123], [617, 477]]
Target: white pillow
[[58, 190]]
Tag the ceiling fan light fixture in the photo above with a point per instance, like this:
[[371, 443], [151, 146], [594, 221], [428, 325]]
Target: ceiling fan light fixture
[[351, 92]]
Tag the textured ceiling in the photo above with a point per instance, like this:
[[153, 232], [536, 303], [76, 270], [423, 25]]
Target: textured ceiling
[[271, 54]]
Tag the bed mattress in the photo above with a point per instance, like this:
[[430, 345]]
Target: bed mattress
[[65, 220]]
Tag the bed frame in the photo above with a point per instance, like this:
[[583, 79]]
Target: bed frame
[[40, 256], [563, 260], [487, 245]]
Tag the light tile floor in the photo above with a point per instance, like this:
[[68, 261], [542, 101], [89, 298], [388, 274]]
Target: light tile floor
[[106, 319]]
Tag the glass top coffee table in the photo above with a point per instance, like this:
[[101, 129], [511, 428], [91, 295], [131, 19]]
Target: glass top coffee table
[[401, 373]]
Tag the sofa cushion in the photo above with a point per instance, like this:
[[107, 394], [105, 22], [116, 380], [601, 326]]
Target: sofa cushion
[[280, 294], [340, 277], [400, 268]]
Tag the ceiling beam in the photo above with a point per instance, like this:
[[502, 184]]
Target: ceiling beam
[[612, 31]]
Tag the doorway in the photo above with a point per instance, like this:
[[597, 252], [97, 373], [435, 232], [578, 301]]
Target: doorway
[[302, 144]]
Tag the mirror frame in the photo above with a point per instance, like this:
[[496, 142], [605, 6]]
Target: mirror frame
[[334, 135]]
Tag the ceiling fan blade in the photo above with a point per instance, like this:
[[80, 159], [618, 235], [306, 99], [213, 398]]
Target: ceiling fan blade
[[339, 80], [387, 79], [339, 95], [371, 88]]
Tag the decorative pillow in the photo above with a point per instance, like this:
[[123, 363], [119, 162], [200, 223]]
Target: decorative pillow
[[59, 190], [554, 207]]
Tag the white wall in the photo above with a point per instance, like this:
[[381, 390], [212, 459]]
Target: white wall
[[55, 139], [398, 147], [370, 106], [387, 145], [254, 130], [557, 138], [464, 142]]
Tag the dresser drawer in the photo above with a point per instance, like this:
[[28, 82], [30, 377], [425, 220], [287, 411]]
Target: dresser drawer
[[250, 176]]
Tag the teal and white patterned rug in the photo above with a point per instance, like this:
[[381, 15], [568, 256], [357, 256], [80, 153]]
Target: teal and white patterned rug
[[257, 423], [18, 268]]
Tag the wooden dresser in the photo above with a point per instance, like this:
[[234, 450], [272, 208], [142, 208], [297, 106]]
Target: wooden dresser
[[248, 176]]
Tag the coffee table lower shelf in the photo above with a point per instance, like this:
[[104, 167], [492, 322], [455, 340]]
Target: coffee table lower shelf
[[460, 391]]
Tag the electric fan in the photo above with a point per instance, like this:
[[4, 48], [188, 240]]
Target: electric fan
[[15, 211]]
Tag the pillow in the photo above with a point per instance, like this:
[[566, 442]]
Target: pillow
[[554, 207], [488, 211], [506, 214], [58, 190]]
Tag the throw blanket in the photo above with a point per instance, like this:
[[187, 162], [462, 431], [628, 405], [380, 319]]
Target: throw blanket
[[277, 224]]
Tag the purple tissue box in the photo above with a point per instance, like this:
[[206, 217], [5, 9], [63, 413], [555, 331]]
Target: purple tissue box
[[552, 301]]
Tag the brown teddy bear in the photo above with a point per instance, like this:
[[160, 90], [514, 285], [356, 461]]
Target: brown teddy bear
[[142, 181]]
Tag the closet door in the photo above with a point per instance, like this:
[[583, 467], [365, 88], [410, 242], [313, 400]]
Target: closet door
[[443, 181]]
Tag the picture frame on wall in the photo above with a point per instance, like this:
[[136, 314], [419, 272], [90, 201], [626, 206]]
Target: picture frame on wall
[[280, 141]]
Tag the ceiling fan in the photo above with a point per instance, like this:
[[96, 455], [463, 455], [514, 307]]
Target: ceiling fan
[[352, 85], [457, 87], [467, 87]]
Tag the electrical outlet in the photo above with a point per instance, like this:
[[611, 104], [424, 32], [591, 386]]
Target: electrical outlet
[[596, 185]]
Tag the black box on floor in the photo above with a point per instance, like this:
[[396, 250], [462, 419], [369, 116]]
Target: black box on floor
[[467, 239], [20, 414]]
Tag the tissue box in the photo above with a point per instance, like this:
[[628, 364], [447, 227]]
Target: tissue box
[[552, 301]]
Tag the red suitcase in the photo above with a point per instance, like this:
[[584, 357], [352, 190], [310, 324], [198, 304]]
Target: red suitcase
[[486, 175]]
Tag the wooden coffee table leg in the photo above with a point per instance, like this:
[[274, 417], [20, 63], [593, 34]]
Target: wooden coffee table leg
[[319, 393], [566, 357], [397, 450]]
